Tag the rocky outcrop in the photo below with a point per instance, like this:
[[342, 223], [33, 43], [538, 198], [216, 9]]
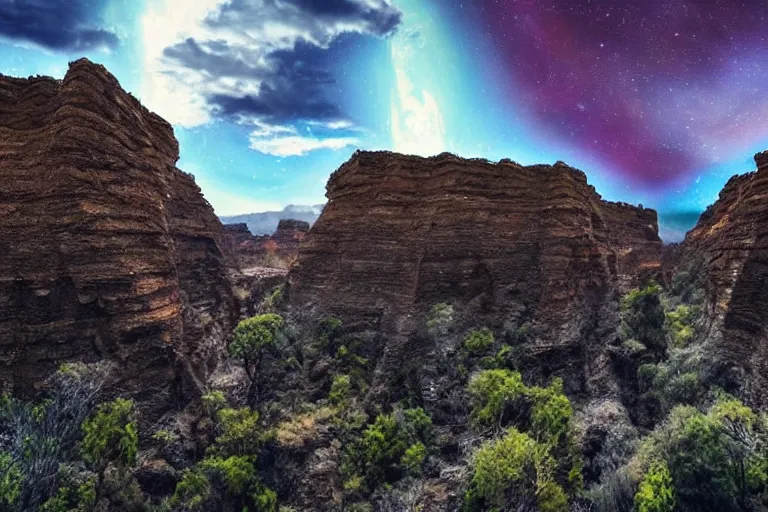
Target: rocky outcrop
[[109, 251], [288, 236], [507, 245], [278, 250], [726, 255]]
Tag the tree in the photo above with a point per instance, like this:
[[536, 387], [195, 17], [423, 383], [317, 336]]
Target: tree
[[253, 339]]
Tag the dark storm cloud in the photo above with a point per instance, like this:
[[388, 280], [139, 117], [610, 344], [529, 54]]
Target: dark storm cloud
[[380, 19], [270, 61], [67, 25], [212, 58]]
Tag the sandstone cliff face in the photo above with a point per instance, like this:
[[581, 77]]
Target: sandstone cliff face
[[109, 250], [507, 245], [728, 253]]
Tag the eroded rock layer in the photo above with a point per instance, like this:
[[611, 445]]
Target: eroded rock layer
[[507, 245], [726, 254], [109, 250], [278, 250]]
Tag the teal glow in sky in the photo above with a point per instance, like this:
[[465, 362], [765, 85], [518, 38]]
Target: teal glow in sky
[[658, 103]]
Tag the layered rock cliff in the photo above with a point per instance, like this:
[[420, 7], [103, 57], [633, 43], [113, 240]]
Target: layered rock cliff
[[278, 250], [109, 251], [726, 255], [508, 246]]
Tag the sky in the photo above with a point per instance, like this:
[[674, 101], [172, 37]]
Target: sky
[[658, 101]]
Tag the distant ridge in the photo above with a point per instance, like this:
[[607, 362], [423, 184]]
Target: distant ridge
[[265, 223]]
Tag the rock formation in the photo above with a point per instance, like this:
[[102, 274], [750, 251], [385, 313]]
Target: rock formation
[[507, 245], [277, 250], [726, 254], [109, 251]]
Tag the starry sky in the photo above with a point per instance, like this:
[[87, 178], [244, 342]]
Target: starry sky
[[658, 101]]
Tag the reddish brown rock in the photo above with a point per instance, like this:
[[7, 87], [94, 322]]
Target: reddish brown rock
[[109, 250], [278, 250], [504, 243], [727, 253]]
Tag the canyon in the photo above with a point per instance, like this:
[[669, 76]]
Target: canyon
[[112, 253]]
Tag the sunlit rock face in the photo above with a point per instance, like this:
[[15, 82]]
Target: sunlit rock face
[[726, 255], [507, 245], [109, 251]]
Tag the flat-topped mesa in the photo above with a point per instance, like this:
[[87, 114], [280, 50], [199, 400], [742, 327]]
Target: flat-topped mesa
[[507, 245], [109, 251], [726, 254]]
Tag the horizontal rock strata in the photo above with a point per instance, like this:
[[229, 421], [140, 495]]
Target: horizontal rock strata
[[507, 245], [109, 251]]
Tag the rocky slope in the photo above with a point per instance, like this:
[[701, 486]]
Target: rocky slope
[[109, 250], [508, 246], [726, 254]]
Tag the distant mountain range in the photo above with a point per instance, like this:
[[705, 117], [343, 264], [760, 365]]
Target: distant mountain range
[[265, 223]]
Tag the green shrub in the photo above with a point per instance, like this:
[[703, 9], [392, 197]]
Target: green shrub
[[680, 322], [213, 401], [477, 342], [10, 480], [111, 435], [165, 436], [492, 392], [656, 492], [239, 432], [253, 338], [513, 472], [339, 389], [393, 443], [709, 454], [643, 318], [215, 481], [414, 457], [440, 320], [329, 331], [551, 413]]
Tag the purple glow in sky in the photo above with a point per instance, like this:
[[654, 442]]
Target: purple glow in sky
[[655, 89]]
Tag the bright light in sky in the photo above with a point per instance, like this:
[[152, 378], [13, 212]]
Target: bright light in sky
[[268, 97], [417, 124]]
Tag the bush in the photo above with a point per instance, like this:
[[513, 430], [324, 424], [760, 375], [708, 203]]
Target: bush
[[514, 473], [656, 492], [477, 342], [440, 320], [643, 318], [709, 454], [392, 444], [216, 480], [492, 393], [111, 436], [41, 439], [339, 389], [551, 413], [213, 401], [680, 322], [329, 331], [10, 480], [239, 432]]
